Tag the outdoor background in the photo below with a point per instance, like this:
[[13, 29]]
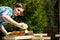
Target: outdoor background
[[38, 14]]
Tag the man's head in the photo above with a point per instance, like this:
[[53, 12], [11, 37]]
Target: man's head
[[18, 9]]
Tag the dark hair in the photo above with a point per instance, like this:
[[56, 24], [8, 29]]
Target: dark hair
[[20, 5]]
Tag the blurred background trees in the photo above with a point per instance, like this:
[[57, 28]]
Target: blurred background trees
[[38, 14]]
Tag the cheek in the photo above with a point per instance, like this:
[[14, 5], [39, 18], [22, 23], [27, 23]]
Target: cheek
[[17, 14]]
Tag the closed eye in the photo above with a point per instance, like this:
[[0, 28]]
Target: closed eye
[[18, 9]]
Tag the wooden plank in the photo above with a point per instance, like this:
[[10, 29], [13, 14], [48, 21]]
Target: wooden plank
[[46, 37], [41, 38], [35, 36], [23, 37], [40, 35], [57, 35], [17, 37]]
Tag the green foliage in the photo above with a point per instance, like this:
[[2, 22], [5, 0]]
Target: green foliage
[[37, 14], [7, 2], [49, 8]]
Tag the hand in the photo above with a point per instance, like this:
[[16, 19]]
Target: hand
[[22, 25]]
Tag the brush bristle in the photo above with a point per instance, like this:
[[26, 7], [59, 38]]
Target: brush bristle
[[26, 32]]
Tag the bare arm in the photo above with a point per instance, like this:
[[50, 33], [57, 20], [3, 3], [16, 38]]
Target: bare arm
[[9, 20]]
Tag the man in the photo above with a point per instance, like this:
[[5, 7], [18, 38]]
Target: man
[[5, 16]]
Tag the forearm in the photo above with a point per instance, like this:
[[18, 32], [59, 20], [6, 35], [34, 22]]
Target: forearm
[[9, 20]]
